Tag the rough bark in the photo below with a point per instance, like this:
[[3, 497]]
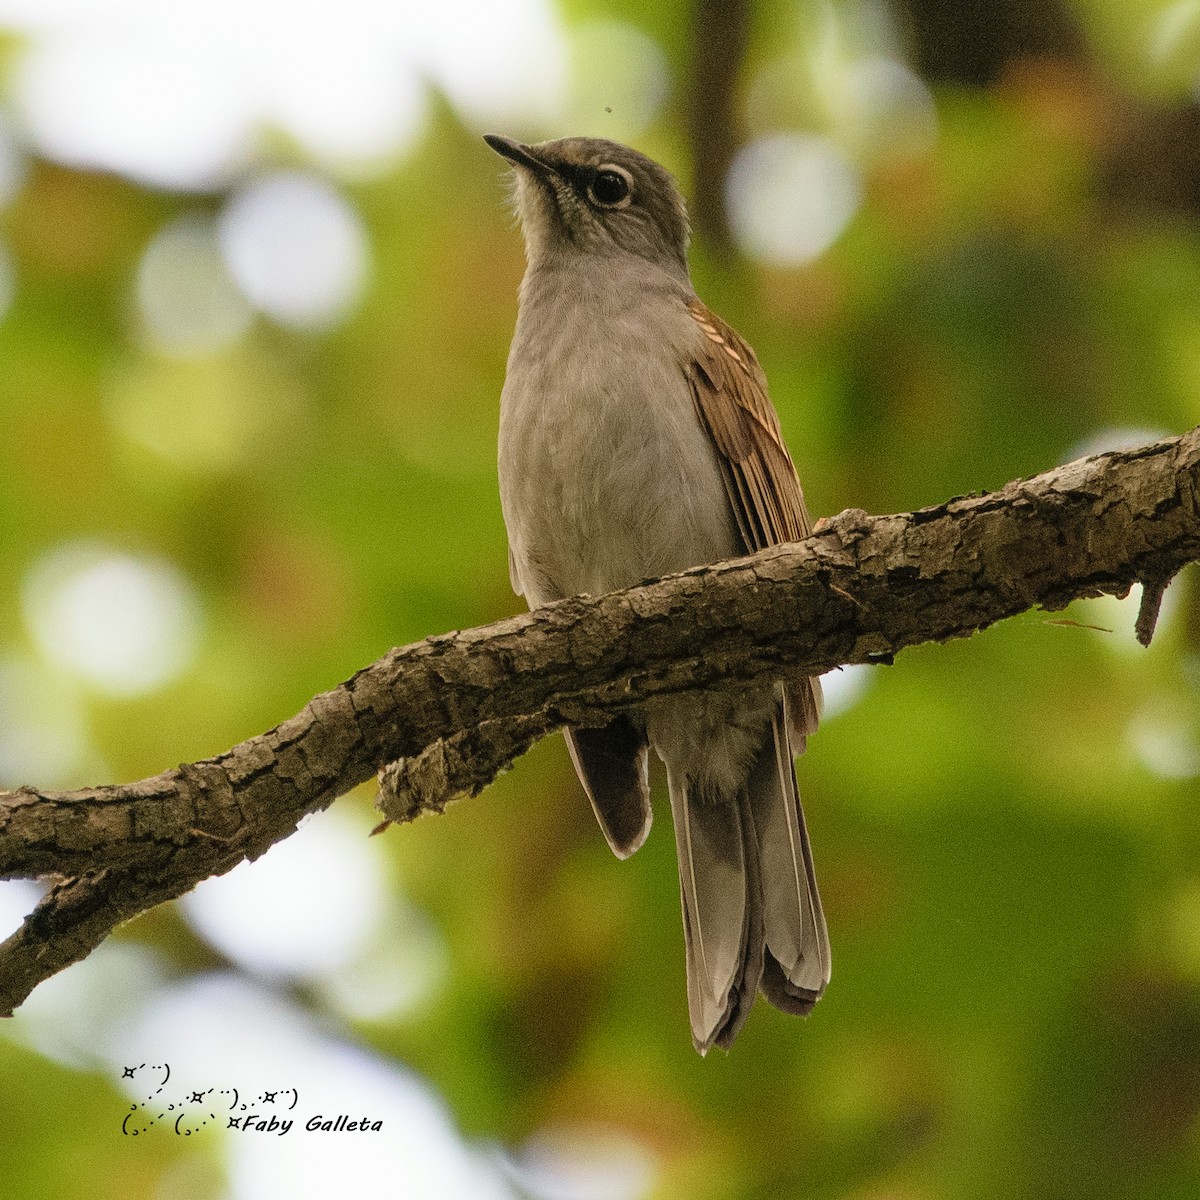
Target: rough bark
[[452, 711]]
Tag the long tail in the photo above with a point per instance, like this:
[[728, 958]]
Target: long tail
[[796, 967], [751, 913]]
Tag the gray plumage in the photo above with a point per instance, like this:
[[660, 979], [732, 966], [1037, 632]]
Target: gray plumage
[[637, 439]]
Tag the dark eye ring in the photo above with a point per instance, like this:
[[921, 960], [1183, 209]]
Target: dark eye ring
[[609, 187]]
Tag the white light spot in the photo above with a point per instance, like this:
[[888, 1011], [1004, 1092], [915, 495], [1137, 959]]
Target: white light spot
[[269, 916], [296, 248], [77, 1016], [187, 300], [221, 1031], [584, 1164], [790, 196], [843, 688], [18, 898], [42, 727], [179, 94], [351, 107], [1173, 32], [1162, 737], [147, 104], [1115, 437], [1113, 619], [126, 625], [397, 972], [512, 67], [218, 1030]]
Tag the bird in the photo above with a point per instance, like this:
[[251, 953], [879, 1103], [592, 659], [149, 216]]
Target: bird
[[637, 439]]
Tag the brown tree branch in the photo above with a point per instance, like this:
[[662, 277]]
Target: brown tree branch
[[452, 711]]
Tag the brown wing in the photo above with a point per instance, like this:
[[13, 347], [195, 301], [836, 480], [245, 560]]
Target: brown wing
[[730, 393], [612, 765]]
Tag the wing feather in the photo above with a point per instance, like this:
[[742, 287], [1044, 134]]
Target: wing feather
[[730, 393]]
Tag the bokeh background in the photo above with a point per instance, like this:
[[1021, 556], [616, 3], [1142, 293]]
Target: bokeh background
[[257, 281]]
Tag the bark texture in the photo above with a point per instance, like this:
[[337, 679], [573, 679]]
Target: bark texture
[[442, 717]]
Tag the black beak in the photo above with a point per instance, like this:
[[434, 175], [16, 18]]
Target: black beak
[[516, 152]]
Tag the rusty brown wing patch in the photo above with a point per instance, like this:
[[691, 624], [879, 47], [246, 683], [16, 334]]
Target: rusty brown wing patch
[[730, 393]]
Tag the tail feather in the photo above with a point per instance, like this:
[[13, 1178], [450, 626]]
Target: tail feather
[[722, 921], [751, 912], [797, 939]]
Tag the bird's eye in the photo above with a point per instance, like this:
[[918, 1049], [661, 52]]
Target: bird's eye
[[609, 188]]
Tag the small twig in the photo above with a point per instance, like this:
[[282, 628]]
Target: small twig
[[460, 765], [1153, 591], [833, 587], [70, 921]]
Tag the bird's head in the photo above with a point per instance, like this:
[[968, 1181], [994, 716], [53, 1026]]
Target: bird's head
[[598, 197]]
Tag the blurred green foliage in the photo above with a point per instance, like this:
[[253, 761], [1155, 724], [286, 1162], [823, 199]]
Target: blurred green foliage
[[1006, 829]]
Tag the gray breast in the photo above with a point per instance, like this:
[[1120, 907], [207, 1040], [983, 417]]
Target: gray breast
[[606, 475]]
